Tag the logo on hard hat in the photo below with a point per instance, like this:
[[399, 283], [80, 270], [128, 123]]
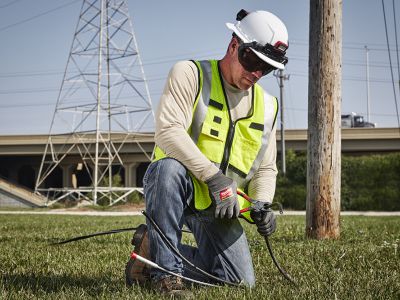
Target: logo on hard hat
[[281, 46]]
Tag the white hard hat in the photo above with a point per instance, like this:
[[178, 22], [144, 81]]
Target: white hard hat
[[267, 30]]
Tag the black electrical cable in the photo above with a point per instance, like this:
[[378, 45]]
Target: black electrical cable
[[173, 248], [271, 253], [94, 234], [176, 251], [129, 229], [205, 229], [283, 272], [78, 238]]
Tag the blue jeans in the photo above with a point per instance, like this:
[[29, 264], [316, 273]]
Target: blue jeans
[[222, 247]]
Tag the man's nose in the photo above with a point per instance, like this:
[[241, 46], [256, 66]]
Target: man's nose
[[258, 74]]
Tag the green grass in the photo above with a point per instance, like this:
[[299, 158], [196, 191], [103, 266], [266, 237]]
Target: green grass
[[363, 264]]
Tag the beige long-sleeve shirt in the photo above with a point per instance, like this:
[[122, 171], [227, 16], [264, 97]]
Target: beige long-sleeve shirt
[[174, 116]]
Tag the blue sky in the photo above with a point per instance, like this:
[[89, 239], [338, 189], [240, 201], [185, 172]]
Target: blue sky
[[36, 37]]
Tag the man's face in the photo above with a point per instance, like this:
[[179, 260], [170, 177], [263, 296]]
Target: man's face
[[242, 78]]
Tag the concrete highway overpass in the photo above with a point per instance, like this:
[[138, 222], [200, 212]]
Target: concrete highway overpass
[[354, 140], [21, 155]]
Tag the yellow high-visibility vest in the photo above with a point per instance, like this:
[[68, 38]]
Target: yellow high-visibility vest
[[237, 148]]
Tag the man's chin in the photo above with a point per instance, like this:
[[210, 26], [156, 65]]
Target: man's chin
[[245, 84]]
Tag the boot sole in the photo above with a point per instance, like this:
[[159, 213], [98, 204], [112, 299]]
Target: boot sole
[[135, 271]]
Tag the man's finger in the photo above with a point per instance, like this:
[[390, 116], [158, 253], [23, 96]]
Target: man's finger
[[217, 212], [229, 212], [237, 209], [222, 213]]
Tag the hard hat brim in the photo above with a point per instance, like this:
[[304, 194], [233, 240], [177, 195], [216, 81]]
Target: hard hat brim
[[260, 55]]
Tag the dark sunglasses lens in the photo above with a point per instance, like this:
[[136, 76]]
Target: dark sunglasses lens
[[268, 70], [251, 62]]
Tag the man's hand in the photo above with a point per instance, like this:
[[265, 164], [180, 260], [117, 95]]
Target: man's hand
[[223, 192], [265, 220]]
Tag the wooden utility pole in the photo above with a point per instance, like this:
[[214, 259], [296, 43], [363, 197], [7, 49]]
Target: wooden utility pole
[[324, 136], [282, 78]]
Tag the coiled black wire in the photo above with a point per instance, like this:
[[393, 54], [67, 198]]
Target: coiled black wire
[[176, 251]]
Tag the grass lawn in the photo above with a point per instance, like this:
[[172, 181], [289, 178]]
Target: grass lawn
[[363, 264]]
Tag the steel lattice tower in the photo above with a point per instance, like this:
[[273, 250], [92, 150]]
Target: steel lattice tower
[[103, 101]]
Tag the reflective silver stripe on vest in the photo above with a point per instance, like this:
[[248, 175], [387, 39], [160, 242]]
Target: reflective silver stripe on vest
[[269, 117], [202, 105]]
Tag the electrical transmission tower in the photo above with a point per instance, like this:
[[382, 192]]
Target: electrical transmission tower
[[103, 102]]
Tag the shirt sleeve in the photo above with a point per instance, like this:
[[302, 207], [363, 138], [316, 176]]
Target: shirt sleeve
[[174, 116], [262, 185]]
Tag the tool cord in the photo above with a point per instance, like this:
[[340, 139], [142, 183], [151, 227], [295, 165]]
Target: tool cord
[[176, 251], [94, 234], [281, 270]]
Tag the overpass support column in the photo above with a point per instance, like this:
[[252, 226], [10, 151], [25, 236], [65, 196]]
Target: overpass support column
[[130, 174], [67, 175]]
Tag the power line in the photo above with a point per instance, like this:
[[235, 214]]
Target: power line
[[158, 62], [9, 3], [397, 45], [298, 42], [161, 78], [30, 74], [28, 91], [75, 100], [348, 78], [36, 16], [390, 61], [183, 56], [347, 45]]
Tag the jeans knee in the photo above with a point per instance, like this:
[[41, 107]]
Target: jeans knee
[[171, 170], [171, 167], [167, 173]]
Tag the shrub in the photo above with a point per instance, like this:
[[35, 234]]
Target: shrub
[[368, 182]]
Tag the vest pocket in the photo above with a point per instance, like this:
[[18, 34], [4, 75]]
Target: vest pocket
[[245, 153], [211, 142]]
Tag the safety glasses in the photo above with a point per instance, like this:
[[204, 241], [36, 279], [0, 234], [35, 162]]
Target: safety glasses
[[251, 62]]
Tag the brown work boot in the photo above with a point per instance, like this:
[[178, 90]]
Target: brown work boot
[[173, 286], [137, 272]]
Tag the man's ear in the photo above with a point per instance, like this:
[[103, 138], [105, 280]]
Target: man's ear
[[234, 45]]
